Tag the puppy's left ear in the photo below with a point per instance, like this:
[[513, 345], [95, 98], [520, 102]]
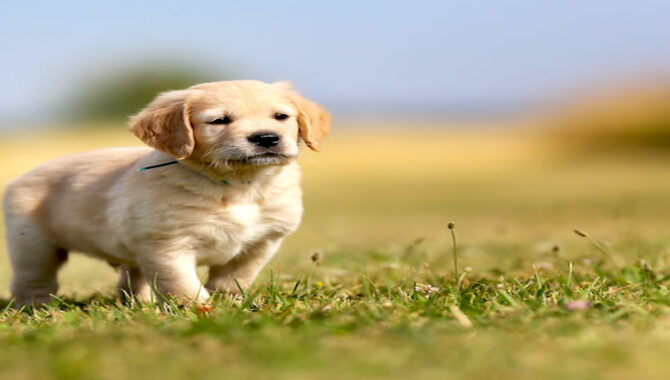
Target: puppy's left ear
[[165, 124], [313, 121]]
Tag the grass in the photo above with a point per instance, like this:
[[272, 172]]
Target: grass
[[519, 327], [384, 297]]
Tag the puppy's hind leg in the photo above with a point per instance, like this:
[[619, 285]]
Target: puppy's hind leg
[[35, 261], [133, 284]]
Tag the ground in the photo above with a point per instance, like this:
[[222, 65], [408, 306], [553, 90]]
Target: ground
[[530, 297]]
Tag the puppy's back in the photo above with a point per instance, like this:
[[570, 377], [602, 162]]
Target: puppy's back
[[69, 194]]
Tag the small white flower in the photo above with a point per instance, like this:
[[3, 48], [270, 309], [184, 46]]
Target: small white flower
[[426, 289]]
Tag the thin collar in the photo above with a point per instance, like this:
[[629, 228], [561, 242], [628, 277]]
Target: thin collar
[[223, 181], [157, 166]]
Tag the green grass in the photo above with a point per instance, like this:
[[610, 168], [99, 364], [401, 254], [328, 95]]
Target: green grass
[[376, 324], [535, 300]]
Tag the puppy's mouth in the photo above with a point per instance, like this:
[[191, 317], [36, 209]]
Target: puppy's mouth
[[261, 159]]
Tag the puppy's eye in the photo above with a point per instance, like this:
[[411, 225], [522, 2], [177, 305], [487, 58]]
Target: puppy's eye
[[222, 120], [281, 116]]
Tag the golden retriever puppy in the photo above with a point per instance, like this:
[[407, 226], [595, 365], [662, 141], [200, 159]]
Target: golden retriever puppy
[[226, 198]]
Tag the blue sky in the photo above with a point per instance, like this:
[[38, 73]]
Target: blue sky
[[349, 55]]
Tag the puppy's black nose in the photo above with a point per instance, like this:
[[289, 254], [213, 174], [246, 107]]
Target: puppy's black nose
[[264, 139]]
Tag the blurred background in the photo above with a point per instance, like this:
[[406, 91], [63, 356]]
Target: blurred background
[[517, 120]]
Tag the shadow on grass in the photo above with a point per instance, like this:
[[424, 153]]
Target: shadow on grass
[[63, 303]]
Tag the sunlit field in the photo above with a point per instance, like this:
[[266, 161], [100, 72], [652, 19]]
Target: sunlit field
[[530, 298]]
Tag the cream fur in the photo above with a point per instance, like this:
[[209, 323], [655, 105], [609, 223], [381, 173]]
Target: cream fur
[[159, 224]]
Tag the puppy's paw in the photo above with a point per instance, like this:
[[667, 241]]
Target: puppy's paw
[[227, 286], [34, 301]]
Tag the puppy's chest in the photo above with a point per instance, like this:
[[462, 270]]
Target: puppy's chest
[[227, 231]]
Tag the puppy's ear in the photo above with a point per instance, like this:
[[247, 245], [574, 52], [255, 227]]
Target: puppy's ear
[[165, 124], [313, 121]]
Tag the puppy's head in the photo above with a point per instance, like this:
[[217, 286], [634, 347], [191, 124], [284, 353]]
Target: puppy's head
[[236, 123]]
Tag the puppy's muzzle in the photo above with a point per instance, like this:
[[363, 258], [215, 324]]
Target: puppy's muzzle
[[264, 139]]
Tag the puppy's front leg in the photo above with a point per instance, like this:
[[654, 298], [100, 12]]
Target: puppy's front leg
[[243, 268], [174, 275]]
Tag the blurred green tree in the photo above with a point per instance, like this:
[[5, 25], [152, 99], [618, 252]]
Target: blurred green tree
[[118, 93]]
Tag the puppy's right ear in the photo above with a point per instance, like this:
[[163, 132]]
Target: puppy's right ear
[[165, 124]]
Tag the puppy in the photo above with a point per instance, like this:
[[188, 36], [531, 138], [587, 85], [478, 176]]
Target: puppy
[[226, 197]]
